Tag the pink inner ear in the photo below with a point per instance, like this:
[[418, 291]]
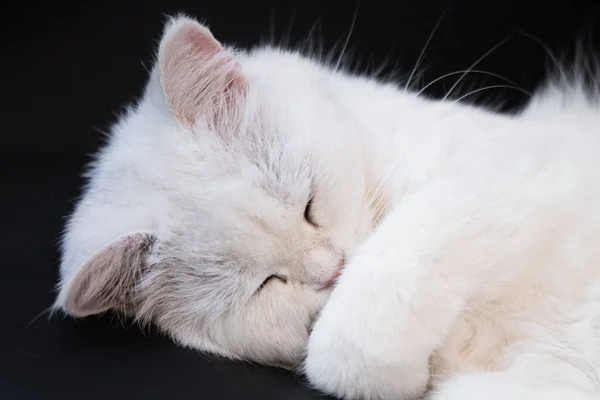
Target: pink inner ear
[[199, 38], [199, 77], [108, 279]]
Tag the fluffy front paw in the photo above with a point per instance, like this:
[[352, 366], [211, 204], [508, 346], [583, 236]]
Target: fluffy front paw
[[351, 362]]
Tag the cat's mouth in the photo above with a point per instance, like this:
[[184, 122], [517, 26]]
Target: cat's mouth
[[338, 271]]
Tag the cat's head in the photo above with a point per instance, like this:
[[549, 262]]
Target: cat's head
[[224, 203]]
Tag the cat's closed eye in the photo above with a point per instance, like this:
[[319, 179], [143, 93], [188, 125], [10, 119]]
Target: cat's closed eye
[[271, 279], [308, 213]]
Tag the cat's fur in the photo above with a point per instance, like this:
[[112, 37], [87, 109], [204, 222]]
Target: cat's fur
[[471, 239]]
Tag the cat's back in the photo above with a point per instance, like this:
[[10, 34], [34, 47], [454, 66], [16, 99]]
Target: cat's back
[[553, 142], [541, 170]]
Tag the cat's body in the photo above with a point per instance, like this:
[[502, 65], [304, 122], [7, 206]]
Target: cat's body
[[489, 243], [227, 200]]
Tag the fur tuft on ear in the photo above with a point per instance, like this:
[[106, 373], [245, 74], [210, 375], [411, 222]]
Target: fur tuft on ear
[[108, 279], [201, 81]]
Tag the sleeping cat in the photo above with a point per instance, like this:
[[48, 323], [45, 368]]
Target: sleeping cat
[[260, 205]]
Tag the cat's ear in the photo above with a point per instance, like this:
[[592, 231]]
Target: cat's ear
[[108, 279], [201, 80]]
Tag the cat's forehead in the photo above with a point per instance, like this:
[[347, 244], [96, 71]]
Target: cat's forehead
[[282, 79]]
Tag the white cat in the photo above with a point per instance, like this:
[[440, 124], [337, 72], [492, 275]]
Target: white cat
[[228, 199]]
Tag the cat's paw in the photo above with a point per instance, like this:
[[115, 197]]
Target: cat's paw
[[350, 361]]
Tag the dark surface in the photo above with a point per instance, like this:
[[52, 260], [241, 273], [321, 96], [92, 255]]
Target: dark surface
[[67, 69]]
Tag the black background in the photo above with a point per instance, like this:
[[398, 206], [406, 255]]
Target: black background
[[66, 70]]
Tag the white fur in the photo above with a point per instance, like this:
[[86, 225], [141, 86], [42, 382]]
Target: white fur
[[470, 238]]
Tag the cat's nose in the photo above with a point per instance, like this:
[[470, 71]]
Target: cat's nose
[[320, 264]]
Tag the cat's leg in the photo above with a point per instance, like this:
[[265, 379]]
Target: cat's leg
[[395, 303]]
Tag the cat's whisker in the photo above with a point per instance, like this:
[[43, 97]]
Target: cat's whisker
[[377, 198], [49, 310], [345, 46], [376, 186], [285, 39], [490, 87], [472, 71], [547, 49], [384, 180], [321, 41], [422, 54], [101, 131], [485, 55], [384, 63], [311, 40], [379, 193], [145, 67]]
